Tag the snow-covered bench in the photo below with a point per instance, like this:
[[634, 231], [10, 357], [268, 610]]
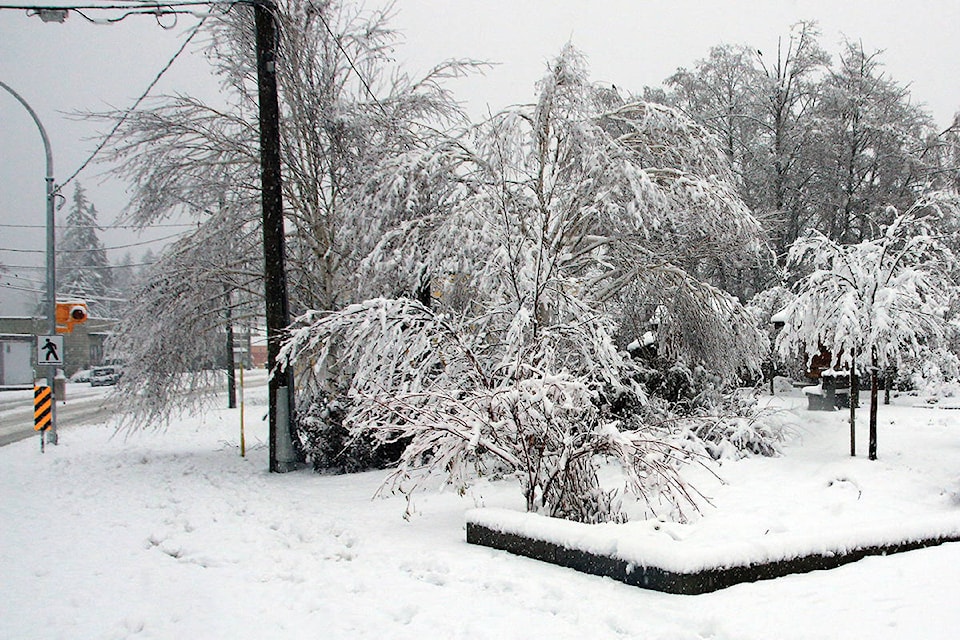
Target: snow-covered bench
[[832, 393]]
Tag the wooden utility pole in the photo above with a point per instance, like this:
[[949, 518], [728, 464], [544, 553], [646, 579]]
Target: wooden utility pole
[[282, 454]]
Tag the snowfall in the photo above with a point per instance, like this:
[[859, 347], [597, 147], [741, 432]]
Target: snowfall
[[172, 534]]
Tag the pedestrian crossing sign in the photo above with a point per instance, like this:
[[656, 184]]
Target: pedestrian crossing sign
[[50, 351]]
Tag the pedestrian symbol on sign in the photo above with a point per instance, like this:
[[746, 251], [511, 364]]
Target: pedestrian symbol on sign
[[51, 351]]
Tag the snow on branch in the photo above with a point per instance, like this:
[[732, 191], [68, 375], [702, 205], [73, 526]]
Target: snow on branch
[[464, 401], [884, 298]]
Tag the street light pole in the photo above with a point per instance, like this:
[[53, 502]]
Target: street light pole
[[51, 255]]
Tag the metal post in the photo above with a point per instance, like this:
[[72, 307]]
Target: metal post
[[51, 254], [52, 436], [282, 455]]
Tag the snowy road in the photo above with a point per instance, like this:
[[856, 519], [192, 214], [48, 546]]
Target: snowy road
[[84, 405]]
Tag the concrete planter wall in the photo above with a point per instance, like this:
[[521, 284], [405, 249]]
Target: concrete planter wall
[[679, 582]]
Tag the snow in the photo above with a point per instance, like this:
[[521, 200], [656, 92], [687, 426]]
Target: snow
[[172, 534], [780, 316]]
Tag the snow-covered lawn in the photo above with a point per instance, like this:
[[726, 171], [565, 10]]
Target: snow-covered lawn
[[174, 535]]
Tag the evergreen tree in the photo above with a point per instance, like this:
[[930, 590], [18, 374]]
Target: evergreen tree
[[123, 275], [83, 269]]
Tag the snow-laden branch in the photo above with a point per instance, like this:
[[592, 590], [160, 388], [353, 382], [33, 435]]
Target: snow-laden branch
[[461, 402], [884, 298]]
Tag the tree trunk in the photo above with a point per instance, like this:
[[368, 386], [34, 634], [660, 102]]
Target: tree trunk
[[887, 379], [874, 383], [854, 384], [230, 360], [424, 293]]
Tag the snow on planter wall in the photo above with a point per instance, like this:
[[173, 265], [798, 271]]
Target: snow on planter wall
[[630, 554]]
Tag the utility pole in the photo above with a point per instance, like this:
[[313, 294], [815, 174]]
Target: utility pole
[[282, 455], [51, 255]]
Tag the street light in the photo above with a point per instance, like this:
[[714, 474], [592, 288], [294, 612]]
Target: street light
[[51, 255]]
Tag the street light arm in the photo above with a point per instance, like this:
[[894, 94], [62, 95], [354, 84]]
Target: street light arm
[[36, 119]]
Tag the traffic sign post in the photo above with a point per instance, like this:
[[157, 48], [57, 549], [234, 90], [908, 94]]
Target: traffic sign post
[[42, 409], [49, 354]]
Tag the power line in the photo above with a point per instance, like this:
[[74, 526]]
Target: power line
[[119, 246], [12, 287], [93, 298], [346, 55], [17, 276], [107, 266], [144, 7], [123, 118], [58, 13], [185, 225]]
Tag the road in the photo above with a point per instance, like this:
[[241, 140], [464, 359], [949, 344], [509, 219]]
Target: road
[[84, 405]]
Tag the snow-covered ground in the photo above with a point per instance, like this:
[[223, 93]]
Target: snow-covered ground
[[174, 535]]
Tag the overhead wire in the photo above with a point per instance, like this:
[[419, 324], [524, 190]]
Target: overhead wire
[[143, 96], [133, 8], [346, 55], [110, 248], [105, 227], [40, 267], [159, 10], [20, 278], [41, 292], [12, 287]]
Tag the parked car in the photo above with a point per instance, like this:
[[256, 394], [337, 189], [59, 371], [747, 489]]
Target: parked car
[[81, 376], [105, 376]]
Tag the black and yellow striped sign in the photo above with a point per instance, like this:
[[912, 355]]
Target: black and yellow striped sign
[[42, 408]]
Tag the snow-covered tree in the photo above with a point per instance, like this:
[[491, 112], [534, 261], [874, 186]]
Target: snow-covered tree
[[563, 210], [345, 107], [873, 303], [721, 92], [124, 274], [82, 266], [172, 333], [949, 175], [760, 104], [790, 93], [874, 147]]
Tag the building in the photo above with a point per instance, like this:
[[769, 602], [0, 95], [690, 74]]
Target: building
[[83, 348]]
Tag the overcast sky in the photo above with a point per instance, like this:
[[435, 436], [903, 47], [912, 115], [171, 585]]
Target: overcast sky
[[76, 66]]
